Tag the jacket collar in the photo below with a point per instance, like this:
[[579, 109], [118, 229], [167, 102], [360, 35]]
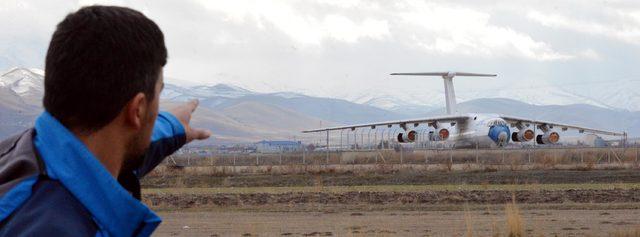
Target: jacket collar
[[68, 160]]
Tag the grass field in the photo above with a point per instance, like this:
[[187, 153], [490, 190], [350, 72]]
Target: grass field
[[561, 199]]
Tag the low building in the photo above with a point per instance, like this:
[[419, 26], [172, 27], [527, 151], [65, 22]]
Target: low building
[[593, 140], [278, 146]]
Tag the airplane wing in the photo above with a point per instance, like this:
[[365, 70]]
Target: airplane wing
[[511, 119], [448, 118]]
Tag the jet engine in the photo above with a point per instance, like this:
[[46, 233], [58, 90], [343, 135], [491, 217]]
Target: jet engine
[[409, 136], [524, 135], [439, 135], [549, 137]]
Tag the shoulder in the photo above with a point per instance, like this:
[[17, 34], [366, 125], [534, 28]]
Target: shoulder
[[51, 210]]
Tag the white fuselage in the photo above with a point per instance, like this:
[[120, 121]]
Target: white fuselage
[[474, 131]]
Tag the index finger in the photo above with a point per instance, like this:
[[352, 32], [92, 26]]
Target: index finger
[[193, 104]]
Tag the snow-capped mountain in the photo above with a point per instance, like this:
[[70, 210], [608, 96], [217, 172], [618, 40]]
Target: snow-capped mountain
[[617, 96], [287, 95], [177, 93], [28, 83], [395, 104], [397, 100], [20, 95], [210, 96], [549, 95], [221, 90], [620, 95]]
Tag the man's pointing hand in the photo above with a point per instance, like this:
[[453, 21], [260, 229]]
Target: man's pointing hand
[[183, 113]]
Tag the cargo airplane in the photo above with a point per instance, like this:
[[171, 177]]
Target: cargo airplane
[[473, 129]]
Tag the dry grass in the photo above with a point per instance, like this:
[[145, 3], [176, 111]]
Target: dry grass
[[449, 165], [546, 157], [222, 171], [468, 221], [634, 232], [515, 225], [179, 182], [584, 159], [317, 183]]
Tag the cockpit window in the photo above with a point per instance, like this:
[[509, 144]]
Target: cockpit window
[[494, 122]]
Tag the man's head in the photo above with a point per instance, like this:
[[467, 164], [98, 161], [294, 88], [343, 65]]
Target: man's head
[[104, 66]]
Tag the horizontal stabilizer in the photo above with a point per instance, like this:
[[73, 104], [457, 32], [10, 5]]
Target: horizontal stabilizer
[[444, 74], [468, 74], [420, 74]]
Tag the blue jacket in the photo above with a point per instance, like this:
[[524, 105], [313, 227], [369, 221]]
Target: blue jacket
[[52, 185]]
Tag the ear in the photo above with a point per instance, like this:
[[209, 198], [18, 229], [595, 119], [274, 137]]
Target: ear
[[136, 111]]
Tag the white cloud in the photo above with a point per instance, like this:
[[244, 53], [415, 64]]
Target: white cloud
[[620, 24], [590, 54], [459, 30], [342, 28], [343, 3], [435, 27], [100, 2], [303, 28], [326, 47]]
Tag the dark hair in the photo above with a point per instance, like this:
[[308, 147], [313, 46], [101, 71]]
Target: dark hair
[[98, 59]]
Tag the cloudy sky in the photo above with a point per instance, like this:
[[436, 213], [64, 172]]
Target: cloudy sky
[[332, 48]]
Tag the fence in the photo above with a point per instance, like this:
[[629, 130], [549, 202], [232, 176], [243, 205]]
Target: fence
[[533, 155]]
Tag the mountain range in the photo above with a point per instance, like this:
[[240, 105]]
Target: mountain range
[[619, 95], [237, 115]]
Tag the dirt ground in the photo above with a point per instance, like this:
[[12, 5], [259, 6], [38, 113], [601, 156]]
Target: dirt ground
[[178, 178], [395, 223], [415, 199]]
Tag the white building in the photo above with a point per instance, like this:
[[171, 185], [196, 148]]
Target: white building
[[278, 146]]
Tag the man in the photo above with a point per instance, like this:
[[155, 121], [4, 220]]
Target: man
[[76, 172]]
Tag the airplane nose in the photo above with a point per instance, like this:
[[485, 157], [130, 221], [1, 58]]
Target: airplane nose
[[499, 134]]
